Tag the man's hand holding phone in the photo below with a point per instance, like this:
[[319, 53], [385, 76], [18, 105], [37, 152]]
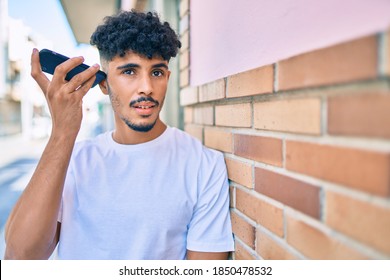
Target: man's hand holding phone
[[64, 97], [37, 209]]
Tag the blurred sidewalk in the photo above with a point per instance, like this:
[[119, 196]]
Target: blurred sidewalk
[[18, 159], [15, 146]]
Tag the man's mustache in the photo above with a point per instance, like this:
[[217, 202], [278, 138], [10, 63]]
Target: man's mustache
[[144, 99]]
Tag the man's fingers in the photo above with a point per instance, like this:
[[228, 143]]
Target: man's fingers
[[81, 82], [36, 71], [62, 69], [84, 88], [84, 80]]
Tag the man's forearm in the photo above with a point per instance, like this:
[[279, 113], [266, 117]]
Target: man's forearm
[[31, 229]]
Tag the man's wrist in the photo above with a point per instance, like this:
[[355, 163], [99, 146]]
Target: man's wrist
[[63, 138]]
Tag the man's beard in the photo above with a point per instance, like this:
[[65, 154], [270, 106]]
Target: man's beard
[[139, 127], [136, 127]]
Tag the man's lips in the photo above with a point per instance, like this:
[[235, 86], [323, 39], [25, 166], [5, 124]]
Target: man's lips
[[144, 105]]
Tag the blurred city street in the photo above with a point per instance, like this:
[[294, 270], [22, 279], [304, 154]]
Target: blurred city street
[[18, 159]]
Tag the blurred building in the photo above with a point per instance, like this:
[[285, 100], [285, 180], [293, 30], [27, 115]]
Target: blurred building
[[7, 107], [22, 105], [3, 46]]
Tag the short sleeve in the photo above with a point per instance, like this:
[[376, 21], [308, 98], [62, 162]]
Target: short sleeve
[[210, 227], [68, 185]]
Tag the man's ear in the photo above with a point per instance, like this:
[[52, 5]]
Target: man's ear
[[103, 86]]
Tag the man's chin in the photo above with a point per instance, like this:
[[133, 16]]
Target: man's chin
[[143, 127]]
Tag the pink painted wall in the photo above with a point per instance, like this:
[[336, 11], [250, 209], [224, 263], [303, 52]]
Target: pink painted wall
[[230, 36]]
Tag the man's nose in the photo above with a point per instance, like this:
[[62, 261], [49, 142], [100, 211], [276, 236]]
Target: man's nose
[[145, 85]]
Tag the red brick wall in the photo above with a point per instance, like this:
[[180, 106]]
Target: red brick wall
[[307, 147]]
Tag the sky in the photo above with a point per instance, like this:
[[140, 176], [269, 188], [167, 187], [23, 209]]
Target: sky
[[46, 17]]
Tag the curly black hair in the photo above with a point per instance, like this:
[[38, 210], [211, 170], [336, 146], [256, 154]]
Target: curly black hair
[[142, 33]]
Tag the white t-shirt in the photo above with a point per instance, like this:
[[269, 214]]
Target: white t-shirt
[[152, 200]]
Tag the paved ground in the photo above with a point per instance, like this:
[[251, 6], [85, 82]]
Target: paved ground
[[18, 159]]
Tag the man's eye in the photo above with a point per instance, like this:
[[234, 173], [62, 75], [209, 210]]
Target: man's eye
[[128, 72], [157, 73]]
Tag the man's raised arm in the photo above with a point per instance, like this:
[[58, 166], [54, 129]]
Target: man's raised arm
[[32, 230]]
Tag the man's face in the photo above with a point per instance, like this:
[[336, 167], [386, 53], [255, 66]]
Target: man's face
[[137, 87]]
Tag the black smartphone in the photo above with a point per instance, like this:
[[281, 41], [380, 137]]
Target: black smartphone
[[50, 59]]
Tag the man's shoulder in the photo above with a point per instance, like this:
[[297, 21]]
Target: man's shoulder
[[97, 142], [193, 144], [178, 133], [185, 139]]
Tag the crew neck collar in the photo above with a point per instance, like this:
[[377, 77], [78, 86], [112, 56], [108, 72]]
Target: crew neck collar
[[134, 147]]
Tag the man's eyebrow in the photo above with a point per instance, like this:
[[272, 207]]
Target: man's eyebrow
[[160, 65], [134, 65], [128, 65]]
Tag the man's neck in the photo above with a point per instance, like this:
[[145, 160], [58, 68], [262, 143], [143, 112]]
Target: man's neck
[[127, 136]]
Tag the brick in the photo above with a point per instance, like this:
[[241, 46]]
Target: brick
[[268, 215], [184, 59], [292, 115], [243, 230], [262, 149], [241, 253], [364, 221], [188, 115], [185, 41], [188, 96], [316, 244], [212, 91], [239, 172], [218, 139], [351, 61], [363, 170], [237, 115], [251, 82], [184, 7], [194, 130], [185, 77], [184, 24], [269, 249], [294, 193], [366, 115], [204, 115]]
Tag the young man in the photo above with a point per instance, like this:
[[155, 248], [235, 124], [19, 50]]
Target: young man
[[142, 191]]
